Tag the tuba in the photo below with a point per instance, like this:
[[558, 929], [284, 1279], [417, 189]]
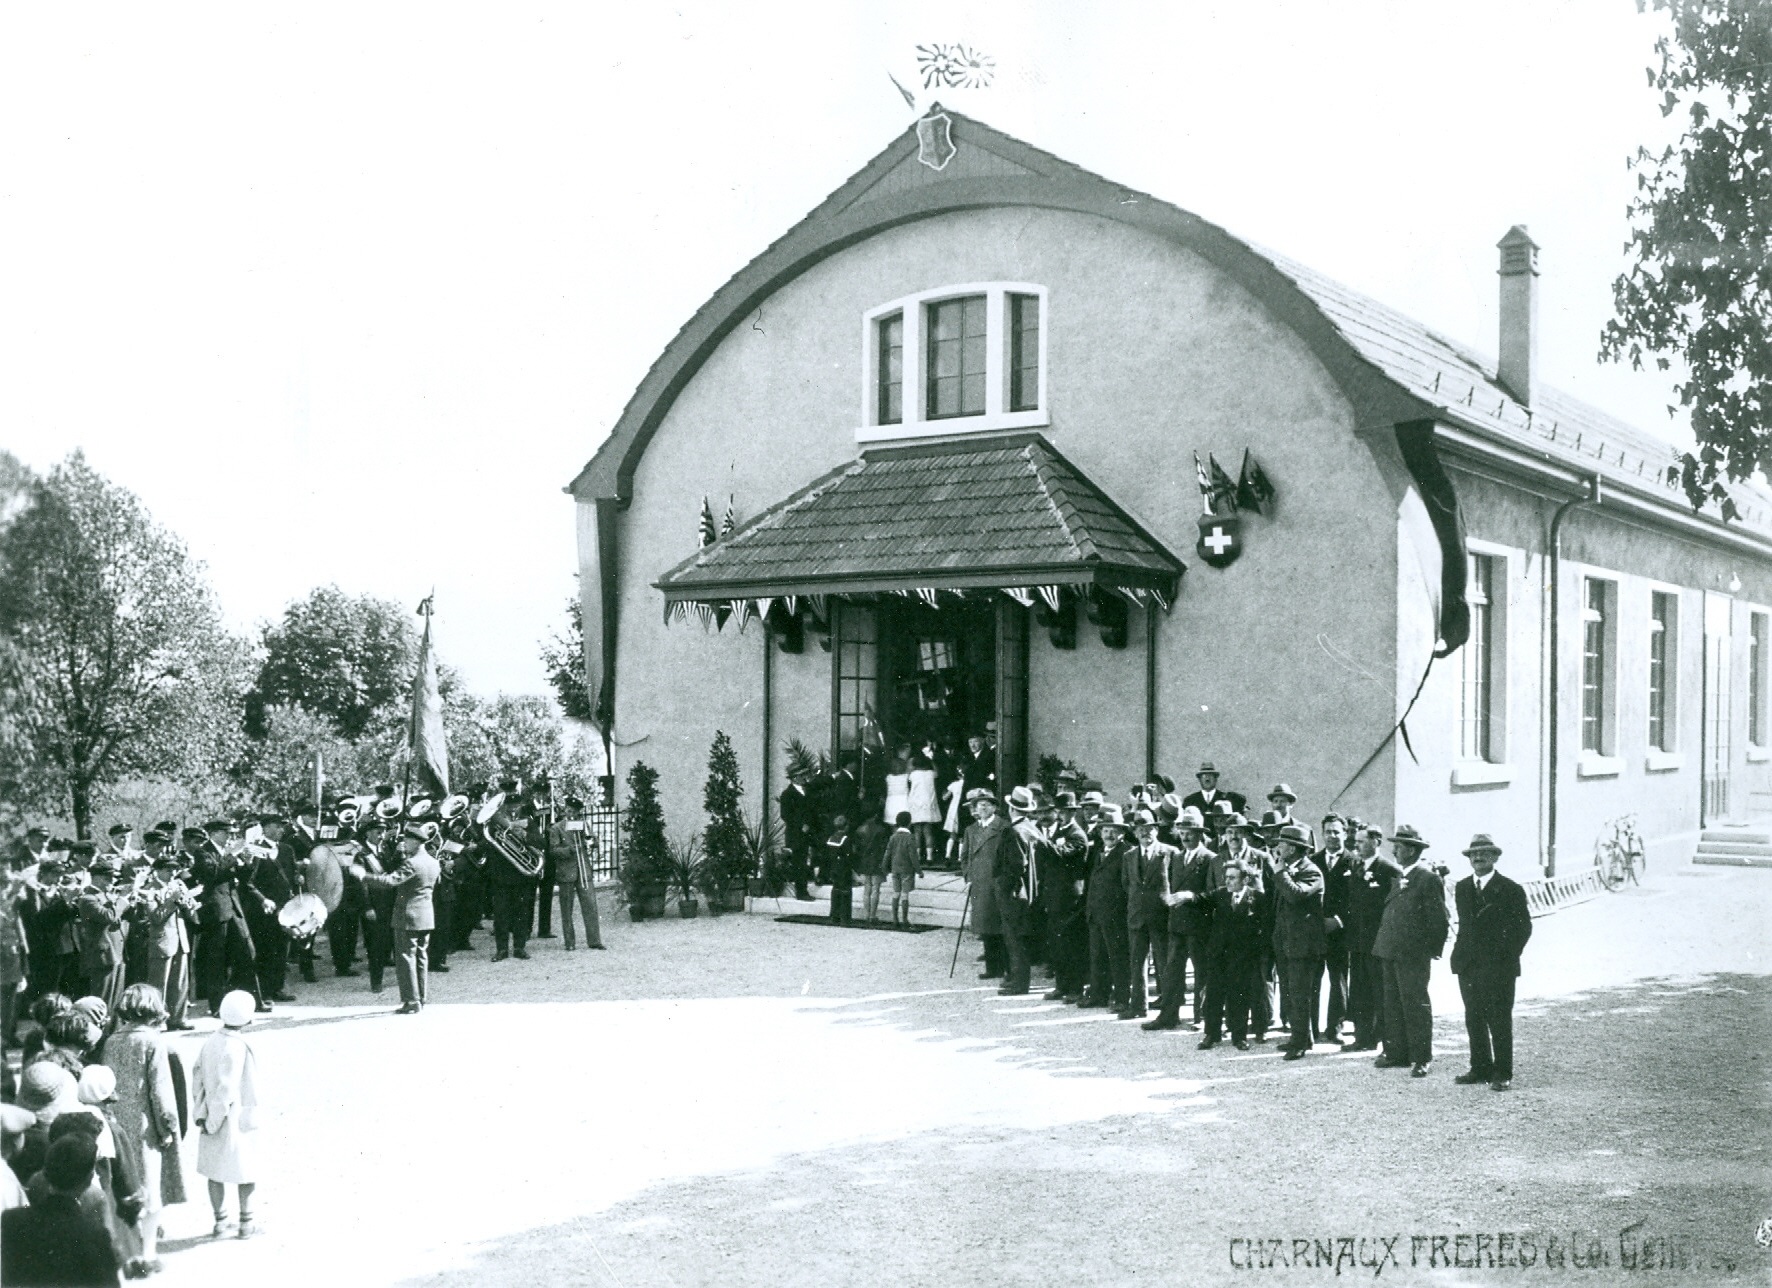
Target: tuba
[[505, 840]]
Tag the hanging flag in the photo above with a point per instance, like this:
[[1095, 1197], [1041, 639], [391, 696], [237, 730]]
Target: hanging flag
[[728, 523], [1020, 594], [1050, 595], [927, 595], [425, 742], [1253, 489], [708, 535], [1224, 492], [705, 611], [1205, 485]]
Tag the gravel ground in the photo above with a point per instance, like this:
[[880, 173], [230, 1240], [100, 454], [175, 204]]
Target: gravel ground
[[735, 1101]]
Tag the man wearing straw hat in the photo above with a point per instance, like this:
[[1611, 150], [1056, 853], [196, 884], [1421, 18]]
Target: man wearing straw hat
[[1494, 924], [1411, 935]]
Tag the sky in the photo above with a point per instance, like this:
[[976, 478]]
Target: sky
[[348, 293]]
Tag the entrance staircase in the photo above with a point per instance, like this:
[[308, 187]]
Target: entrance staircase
[[938, 900], [1743, 845]]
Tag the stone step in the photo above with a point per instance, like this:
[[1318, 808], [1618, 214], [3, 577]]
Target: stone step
[[1736, 835], [947, 915], [1757, 860], [1734, 847]]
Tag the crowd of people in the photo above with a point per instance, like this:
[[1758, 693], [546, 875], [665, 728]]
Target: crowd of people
[[1260, 920], [105, 950]]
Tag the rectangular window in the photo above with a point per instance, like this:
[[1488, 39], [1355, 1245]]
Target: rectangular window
[[1476, 683], [1664, 636], [889, 396], [1024, 352], [856, 677], [1756, 679], [1594, 666], [956, 357]]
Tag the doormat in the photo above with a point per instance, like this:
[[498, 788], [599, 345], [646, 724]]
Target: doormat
[[860, 923]]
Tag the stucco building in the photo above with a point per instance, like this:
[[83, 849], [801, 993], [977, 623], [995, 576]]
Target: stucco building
[[961, 453]]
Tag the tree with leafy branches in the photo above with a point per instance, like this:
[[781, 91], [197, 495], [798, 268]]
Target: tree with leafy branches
[[1698, 289], [723, 839], [563, 657], [113, 647], [348, 658]]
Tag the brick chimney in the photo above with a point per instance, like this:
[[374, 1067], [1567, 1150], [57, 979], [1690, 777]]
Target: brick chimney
[[1516, 370]]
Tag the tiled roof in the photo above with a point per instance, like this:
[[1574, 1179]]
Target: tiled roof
[[978, 514], [1451, 376]]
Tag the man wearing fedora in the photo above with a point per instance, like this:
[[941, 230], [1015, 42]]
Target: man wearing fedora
[[1015, 881], [1368, 886], [1106, 901], [1207, 797], [978, 855], [1411, 935], [1147, 916], [1187, 884], [799, 818], [1299, 937], [1494, 924]]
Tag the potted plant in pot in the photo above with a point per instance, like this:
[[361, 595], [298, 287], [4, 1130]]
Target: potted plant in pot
[[685, 867], [765, 861], [645, 854], [726, 863]]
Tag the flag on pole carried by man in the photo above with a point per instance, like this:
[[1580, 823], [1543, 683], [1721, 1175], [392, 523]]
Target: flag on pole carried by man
[[429, 753]]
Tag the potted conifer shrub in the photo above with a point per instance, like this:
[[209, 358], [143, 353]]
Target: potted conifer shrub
[[725, 862], [645, 854]]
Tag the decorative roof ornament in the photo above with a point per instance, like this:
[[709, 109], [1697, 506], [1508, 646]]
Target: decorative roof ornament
[[935, 140]]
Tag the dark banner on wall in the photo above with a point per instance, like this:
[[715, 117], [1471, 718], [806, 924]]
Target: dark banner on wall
[[1416, 442]]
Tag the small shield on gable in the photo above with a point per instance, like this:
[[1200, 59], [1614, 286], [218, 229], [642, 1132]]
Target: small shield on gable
[[1221, 539], [935, 140]]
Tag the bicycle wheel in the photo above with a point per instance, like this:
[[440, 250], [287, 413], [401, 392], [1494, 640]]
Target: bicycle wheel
[[1636, 860], [1606, 860]]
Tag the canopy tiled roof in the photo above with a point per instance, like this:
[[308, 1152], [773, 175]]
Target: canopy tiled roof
[[974, 515]]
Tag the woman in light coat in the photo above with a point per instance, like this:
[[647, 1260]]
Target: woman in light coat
[[146, 1111], [226, 1108]]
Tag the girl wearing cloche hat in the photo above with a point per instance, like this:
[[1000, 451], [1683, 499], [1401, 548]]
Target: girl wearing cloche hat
[[226, 1108]]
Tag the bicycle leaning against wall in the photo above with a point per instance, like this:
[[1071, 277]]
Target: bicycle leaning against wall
[[1619, 853]]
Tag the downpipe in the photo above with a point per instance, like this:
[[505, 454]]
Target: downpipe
[[1553, 708]]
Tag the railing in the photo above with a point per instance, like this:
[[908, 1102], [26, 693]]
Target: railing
[[1547, 894], [602, 834]]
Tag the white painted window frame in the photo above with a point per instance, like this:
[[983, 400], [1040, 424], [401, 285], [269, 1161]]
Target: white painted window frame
[[996, 418], [1608, 763], [1504, 594], [1760, 752], [1662, 760]]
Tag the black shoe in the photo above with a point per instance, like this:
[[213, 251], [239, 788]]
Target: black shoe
[[1159, 1024], [1242, 1044], [802, 895], [1294, 1053], [263, 1008], [1011, 992], [1056, 995], [307, 975], [547, 934], [991, 974], [1132, 1013], [500, 955], [1385, 1062], [407, 1008], [522, 954], [1206, 1044], [600, 948], [1472, 1078], [1359, 1046], [442, 969], [1092, 1004], [284, 996], [1502, 1084], [1420, 1070]]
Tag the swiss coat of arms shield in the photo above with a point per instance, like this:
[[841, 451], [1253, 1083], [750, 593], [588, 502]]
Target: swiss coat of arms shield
[[935, 140], [1221, 539]]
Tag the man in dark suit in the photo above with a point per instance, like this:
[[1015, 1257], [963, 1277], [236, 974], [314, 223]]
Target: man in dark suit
[[273, 875], [100, 930], [1147, 916], [224, 958], [1494, 924], [1368, 886], [1206, 799], [1299, 938], [1335, 862], [1186, 888], [53, 1241], [978, 857], [1015, 881], [413, 883], [799, 819], [1234, 946], [1106, 904], [1411, 935]]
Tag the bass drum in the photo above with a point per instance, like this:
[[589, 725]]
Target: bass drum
[[325, 879]]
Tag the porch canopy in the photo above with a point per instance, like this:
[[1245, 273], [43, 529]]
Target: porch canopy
[[1008, 515]]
